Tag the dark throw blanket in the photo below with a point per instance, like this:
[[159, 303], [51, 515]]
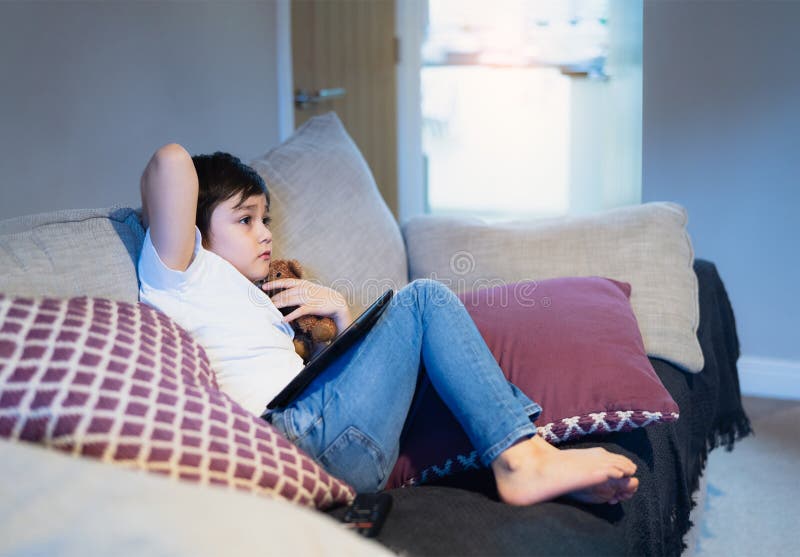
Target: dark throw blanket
[[445, 519]]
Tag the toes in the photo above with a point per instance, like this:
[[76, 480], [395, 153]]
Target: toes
[[625, 464], [617, 490], [626, 485], [617, 469], [616, 473]]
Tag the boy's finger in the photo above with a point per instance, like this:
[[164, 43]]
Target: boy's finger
[[299, 312], [290, 297], [280, 283]]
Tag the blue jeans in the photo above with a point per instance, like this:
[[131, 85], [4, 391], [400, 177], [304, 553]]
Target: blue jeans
[[350, 418]]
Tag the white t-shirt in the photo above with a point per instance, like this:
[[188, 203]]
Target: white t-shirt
[[250, 349]]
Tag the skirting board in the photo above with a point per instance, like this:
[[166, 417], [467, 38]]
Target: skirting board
[[769, 377]]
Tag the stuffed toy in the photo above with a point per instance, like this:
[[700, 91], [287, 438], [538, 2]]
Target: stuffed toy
[[308, 329]]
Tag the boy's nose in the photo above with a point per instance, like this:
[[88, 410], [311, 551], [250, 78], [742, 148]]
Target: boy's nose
[[266, 235]]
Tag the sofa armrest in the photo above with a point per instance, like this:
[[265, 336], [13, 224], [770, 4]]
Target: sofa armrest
[[73, 252], [98, 509]]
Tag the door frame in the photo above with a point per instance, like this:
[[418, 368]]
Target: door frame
[[284, 79], [410, 21]]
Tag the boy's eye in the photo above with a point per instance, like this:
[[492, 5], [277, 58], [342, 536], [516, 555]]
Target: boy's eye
[[246, 220]]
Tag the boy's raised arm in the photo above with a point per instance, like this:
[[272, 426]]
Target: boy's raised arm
[[169, 203]]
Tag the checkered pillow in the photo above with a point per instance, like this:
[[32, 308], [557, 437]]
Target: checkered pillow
[[123, 383]]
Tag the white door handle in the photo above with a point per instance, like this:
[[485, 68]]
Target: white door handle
[[303, 97]]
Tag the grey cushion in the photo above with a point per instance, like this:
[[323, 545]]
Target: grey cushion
[[72, 252], [644, 245], [329, 215]]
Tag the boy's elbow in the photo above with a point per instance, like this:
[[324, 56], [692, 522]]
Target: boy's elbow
[[169, 183], [172, 152], [169, 164]]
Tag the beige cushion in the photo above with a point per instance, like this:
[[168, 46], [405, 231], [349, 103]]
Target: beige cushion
[[72, 252], [644, 245], [328, 214], [54, 504]]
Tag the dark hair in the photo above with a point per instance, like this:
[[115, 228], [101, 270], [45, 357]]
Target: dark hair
[[220, 177]]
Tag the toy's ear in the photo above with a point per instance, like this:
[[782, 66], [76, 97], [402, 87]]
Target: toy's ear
[[296, 268]]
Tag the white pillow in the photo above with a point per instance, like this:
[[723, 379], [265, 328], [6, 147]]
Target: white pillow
[[329, 215], [645, 245]]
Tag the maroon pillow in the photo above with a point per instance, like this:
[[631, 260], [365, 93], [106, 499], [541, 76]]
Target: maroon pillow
[[572, 345], [125, 384]]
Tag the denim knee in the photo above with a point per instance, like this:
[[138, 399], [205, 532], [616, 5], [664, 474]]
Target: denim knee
[[430, 291]]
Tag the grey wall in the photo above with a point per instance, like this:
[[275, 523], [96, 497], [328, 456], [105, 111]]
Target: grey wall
[[720, 127], [91, 89]]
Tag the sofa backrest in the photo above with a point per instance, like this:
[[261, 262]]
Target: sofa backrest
[[327, 213], [72, 252], [646, 245]]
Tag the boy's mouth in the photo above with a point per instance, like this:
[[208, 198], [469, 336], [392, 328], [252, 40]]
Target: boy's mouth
[[265, 255]]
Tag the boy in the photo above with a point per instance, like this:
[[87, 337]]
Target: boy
[[208, 241]]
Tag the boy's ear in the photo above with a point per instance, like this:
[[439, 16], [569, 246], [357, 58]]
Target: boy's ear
[[296, 268]]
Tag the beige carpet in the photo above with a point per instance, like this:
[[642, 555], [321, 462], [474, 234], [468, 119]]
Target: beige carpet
[[753, 502]]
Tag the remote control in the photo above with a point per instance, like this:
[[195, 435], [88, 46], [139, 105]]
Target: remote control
[[367, 513]]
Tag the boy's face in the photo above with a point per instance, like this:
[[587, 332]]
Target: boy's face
[[239, 234]]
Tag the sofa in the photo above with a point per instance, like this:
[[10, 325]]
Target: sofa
[[66, 490]]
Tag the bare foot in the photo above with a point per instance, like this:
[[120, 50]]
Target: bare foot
[[533, 471], [611, 492]]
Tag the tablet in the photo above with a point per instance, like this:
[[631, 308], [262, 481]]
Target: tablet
[[324, 357]]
